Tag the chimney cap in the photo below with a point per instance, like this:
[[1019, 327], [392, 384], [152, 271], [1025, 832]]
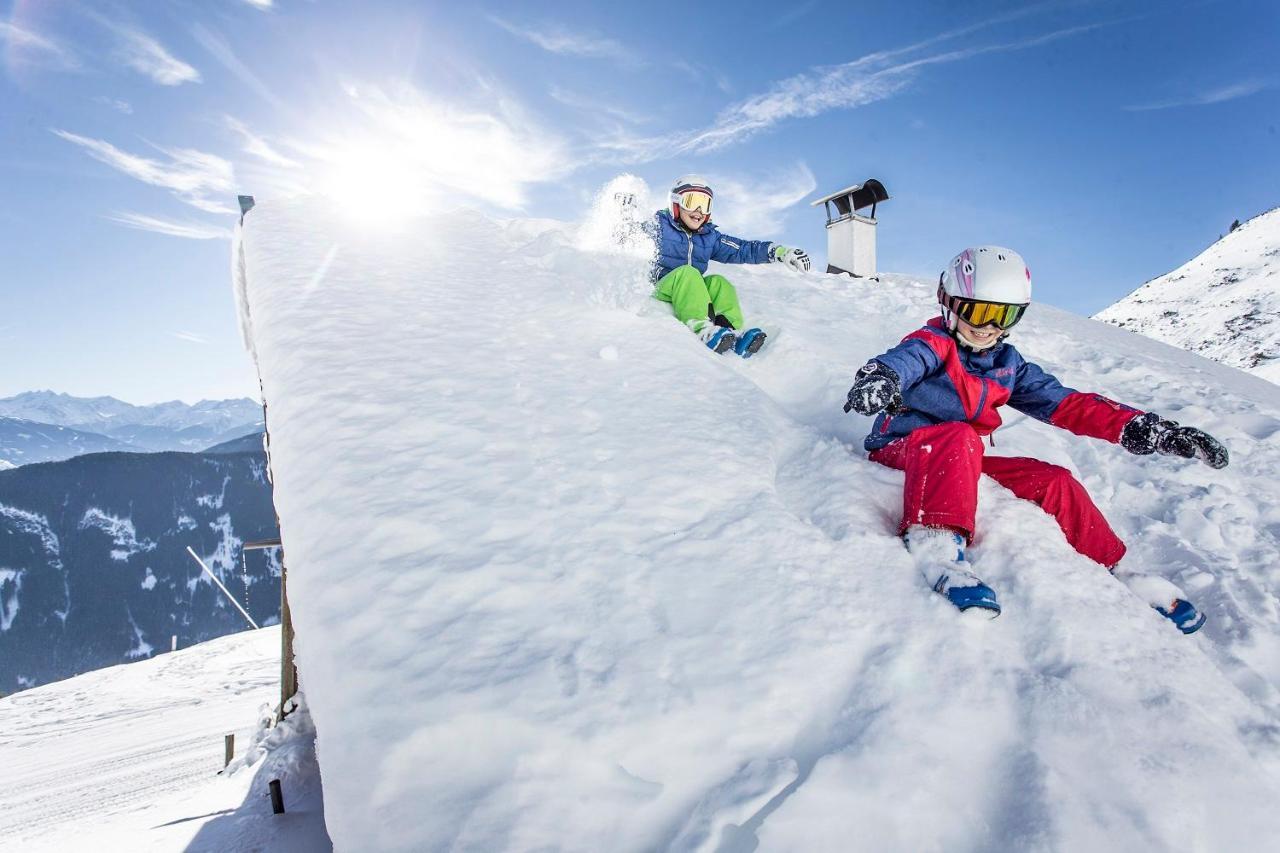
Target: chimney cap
[[861, 195]]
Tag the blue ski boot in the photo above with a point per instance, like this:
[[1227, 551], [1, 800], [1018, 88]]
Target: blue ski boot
[[1184, 615], [749, 342], [939, 553], [1164, 597], [717, 338]]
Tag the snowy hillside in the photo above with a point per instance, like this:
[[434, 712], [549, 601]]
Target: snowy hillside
[[1223, 304], [94, 568], [129, 757], [564, 579]]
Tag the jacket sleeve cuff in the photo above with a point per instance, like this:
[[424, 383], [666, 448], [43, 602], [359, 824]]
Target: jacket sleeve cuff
[[1093, 415]]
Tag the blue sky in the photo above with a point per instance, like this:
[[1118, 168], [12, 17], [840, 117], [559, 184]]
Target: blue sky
[[1108, 142]]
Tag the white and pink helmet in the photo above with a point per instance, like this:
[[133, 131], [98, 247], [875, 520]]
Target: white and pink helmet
[[992, 275]]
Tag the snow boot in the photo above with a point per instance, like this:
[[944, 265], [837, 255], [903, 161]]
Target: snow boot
[[1164, 597], [717, 338], [1184, 615], [939, 553], [749, 342]]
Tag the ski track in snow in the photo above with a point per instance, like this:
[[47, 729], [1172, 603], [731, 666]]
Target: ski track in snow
[[113, 748], [552, 598]]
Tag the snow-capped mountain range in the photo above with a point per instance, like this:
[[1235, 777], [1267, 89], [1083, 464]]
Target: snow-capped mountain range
[[103, 414], [43, 426], [1223, 304], [23, 442]]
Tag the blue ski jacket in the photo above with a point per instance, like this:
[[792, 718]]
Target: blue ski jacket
[[677, 246], [942, 382]]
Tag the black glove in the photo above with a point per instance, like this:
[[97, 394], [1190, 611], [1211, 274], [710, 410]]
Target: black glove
[[1151, 433], [877, 388]]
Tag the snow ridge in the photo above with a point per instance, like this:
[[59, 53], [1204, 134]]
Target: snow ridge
[[38, 526], [1223, 304], [121, 530], [629, 595]]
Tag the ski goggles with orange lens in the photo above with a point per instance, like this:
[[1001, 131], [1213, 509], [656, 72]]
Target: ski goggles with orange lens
[[979, 313], [691, 200]]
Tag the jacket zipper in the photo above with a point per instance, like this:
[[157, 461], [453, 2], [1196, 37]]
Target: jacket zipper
[[981, 400], [690, 261]]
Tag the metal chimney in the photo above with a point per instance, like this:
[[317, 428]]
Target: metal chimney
[[851, 237]]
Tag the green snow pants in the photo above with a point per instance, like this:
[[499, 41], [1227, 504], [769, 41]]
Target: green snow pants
[[697, 298]]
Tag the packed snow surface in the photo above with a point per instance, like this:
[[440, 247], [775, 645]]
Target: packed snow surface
[[128, 758], [1223, 304], [563, 579]]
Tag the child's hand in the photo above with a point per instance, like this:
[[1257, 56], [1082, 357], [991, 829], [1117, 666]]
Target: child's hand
[[876, 389], [797, 259], [1150, 433]]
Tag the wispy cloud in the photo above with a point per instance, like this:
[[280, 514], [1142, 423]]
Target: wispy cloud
[[557, 39], [32, 47], [189, 230], [795, 13], [598, 107], [221, 51], [758, 205], [1221, 94], [866, 80], [191, 175], [260, 4], [147, 56], [845, 86], [190, 336], [115, 104], [259, 147]]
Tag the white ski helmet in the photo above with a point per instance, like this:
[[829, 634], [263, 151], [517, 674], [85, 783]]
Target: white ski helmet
[[695, 184], [985, 285]]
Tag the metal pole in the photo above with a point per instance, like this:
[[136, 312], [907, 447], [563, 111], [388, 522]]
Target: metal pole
[[225, 592]]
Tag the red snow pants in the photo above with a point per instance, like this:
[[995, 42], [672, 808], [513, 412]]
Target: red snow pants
[[943, 463]]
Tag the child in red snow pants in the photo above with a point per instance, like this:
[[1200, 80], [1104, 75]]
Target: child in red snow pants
[[942, 464]]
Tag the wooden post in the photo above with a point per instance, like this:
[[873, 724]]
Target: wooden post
[[229, 749], [288, 672], [277, 797]]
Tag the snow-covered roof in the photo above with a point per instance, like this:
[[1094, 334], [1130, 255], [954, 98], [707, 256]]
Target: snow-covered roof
[[564, 579]]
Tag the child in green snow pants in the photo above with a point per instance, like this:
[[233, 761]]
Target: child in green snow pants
[[690, 292]]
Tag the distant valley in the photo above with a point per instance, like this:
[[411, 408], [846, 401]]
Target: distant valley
[[94, 569]]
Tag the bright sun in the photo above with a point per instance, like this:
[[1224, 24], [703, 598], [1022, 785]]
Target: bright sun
[[375, 184]]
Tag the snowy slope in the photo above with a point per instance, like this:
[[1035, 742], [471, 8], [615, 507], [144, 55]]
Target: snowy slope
[[1223, 304], [563, 579], [129, 757]]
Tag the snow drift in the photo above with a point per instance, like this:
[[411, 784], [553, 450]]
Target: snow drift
[[1223, 304], [564, 579]]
